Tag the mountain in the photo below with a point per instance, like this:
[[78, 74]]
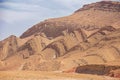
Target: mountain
[[87, 39], [89, 17]]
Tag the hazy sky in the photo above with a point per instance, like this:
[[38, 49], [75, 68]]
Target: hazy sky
[[16, 16]]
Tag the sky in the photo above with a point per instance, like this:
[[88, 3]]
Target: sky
[[16, 16]]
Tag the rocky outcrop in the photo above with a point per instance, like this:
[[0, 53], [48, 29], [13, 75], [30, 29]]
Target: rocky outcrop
[[69, 42], [50, 28], [34, 46], [114, 73], [96, 69], [8, 47], [103, 5]]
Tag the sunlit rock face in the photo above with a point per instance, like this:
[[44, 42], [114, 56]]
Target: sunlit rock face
[[8, 47]]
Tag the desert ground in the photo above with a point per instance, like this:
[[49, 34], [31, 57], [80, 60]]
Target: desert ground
[[37, 75]]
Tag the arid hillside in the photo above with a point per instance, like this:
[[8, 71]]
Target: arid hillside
[[87, 42], [89, 17]]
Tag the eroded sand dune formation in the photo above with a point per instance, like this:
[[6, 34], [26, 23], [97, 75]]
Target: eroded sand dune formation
[[88, 41]]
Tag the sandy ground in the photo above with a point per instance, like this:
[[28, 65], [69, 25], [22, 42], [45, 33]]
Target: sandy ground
[[36, 75]]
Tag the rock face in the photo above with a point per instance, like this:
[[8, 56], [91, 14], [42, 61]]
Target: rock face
[[8, 47], [89, 38], [114, 73], [96, 69], [103, 5], [35, 45]]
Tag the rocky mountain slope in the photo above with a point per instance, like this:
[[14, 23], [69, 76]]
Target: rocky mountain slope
[[90, 17], [90, 36]]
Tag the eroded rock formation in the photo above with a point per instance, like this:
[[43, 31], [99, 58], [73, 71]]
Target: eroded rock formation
[[8, 47], [96, 69]]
